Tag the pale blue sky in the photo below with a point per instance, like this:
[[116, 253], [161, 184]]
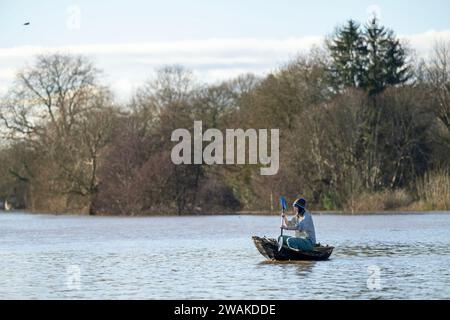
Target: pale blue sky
[[277, 29], [139, 20]]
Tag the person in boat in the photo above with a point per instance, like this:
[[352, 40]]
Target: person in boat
[[302, 223]]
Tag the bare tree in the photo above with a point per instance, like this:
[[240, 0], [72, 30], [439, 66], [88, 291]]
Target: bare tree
[[439, 78], [58, 108]]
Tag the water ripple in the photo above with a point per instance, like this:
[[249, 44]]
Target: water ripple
[[60, 257]]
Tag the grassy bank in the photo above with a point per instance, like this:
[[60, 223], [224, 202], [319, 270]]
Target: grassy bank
[[431, 193]]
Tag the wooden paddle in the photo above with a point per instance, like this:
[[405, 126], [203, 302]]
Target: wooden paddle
[[283, 204]]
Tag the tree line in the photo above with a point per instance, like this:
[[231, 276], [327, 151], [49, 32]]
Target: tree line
[[364, 125]]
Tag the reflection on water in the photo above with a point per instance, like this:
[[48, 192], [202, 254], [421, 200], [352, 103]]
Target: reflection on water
[[213, 257], [301, 267]]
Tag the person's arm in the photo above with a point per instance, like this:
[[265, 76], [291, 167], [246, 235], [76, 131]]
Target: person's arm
[[289, 225], [285, 220]]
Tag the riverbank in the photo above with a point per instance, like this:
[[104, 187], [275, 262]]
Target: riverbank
[[241, 213], [346, 213], [433, 195]]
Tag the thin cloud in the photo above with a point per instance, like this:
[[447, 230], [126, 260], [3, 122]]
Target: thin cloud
[[186, 47], [423, 43], [127, 64]]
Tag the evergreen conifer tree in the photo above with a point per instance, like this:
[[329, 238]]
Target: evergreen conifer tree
[[386, 58], [372, 58], [348, 54]]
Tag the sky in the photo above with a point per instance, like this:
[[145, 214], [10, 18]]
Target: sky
[[217, 39]]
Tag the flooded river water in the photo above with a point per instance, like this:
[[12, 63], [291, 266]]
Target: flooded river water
[[213, 257]]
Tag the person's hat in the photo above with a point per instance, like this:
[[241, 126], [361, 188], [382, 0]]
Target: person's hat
[[300, 203]]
